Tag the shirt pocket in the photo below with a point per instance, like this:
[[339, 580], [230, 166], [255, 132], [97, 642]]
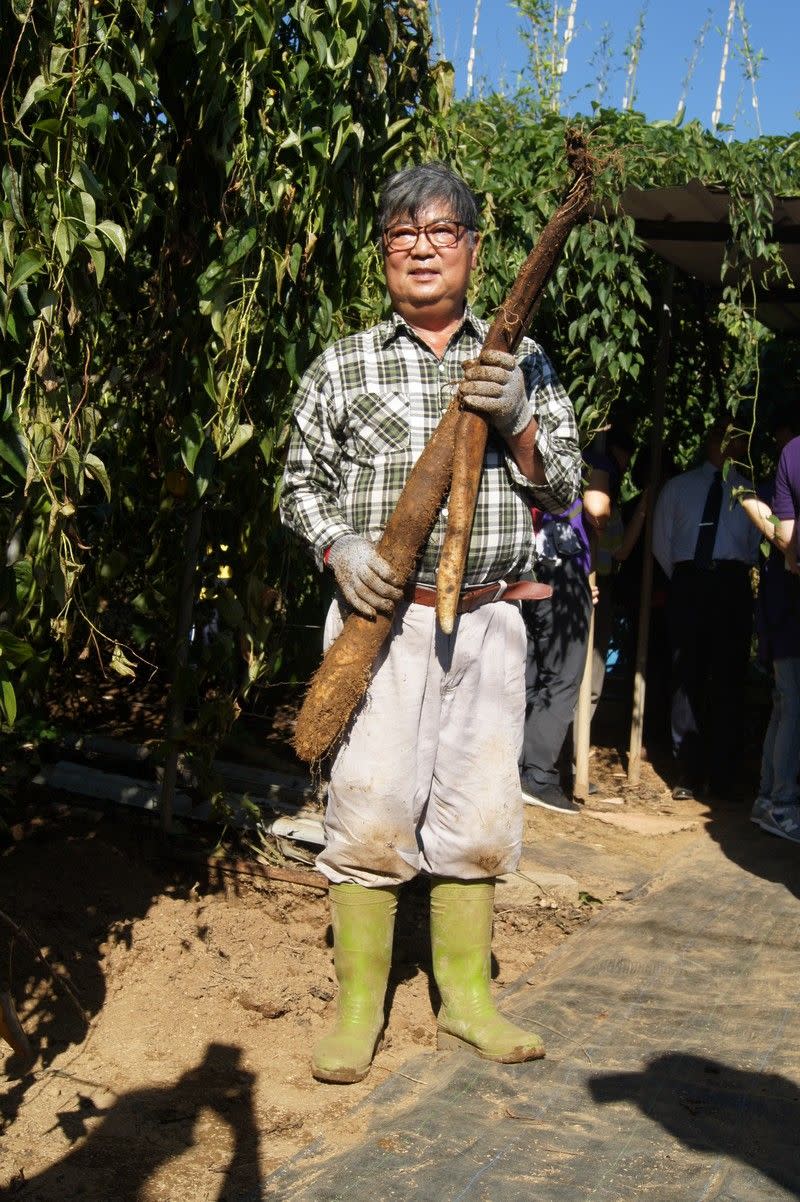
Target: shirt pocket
[[378, 424]]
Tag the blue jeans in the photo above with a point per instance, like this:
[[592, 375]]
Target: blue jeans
[[780, 758]]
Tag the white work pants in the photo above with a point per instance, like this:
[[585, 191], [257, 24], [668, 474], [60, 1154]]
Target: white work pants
[[426, 778]]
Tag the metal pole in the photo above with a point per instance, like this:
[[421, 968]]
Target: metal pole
[[656, 444]]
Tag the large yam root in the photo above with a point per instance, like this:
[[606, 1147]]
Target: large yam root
[[471, 436]]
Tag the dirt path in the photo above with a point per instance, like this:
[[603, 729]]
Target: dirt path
[[204, 996]]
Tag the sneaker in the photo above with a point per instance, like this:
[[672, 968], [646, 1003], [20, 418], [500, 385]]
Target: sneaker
[[783, 821], [551, 797], [761, 809]]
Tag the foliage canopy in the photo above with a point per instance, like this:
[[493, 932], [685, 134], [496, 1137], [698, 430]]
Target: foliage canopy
[[187, 207]]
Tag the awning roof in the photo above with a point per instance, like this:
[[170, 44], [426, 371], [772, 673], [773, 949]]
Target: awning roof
[[688, 226]]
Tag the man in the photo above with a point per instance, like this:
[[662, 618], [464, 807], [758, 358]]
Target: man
[[777, 807], [425, 779], [707, 547]]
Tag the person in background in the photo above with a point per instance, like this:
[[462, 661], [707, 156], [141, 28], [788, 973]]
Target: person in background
[[558, 629], [707, 547], [778, 623], [614, 541]]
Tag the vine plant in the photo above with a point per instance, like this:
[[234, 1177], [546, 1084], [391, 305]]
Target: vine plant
[[188, 194]]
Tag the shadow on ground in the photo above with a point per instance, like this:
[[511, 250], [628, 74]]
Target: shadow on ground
[[157, 1125], [713, 1108]]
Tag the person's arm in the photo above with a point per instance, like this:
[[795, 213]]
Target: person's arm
[[787, 533], [633, 529], [760, 514], [663, 517], [597, 499], [310, 503]]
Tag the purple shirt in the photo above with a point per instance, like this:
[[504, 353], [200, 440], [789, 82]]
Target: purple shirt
[[786, 503], [778, 607], [565, 534]]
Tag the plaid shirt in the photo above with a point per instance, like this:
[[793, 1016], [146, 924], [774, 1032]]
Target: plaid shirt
[[363, 413]]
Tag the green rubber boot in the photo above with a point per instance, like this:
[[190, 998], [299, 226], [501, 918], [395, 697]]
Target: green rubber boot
[[461, 934], [363, 927]]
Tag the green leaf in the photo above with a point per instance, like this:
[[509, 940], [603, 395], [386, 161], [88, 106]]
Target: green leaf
[[8, 700], [204, 467], [104, 71], [115, 235], [127, 88], [61, 240], [242, 434], [14, 650], [192, 439], [35, 90], [98, 257], [97, 469], [9, 454], [89, 210], [29, 263]]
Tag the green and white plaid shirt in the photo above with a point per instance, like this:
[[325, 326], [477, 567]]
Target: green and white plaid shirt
[[363, 413]]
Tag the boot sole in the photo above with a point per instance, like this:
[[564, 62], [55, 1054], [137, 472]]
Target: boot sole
[[446, 1041], [346, 1076]]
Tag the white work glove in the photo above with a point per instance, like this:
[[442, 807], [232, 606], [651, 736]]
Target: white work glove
[[367, 580], [495, 387]]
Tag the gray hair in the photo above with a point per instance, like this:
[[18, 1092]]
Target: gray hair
[[407, 192]]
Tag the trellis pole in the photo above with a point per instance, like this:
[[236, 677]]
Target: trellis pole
[[645, 597]]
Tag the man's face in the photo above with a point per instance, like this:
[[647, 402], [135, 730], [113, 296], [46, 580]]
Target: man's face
[[428, 279]]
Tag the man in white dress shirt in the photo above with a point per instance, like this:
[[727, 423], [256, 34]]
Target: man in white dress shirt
[[706, 545]]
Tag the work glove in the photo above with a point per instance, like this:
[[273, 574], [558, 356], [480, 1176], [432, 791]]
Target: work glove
[[367, 580], [495, 387]]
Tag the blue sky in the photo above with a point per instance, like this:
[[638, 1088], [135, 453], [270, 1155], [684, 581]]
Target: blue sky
[[671, 31]]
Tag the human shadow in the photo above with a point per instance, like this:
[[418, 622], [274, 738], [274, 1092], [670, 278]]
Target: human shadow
[[75, 884], [155, 1126], [709, 1106]]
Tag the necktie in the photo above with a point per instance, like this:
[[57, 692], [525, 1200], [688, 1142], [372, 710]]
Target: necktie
[[706, 535]]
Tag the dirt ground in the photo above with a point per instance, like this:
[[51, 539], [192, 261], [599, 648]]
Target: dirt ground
[[204, 993]]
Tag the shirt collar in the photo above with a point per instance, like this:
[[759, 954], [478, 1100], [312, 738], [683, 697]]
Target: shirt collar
[[395, 325]]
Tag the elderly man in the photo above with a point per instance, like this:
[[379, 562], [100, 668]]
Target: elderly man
[[425, 778]]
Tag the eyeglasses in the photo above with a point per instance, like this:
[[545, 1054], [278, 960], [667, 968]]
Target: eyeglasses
[[440, 234]]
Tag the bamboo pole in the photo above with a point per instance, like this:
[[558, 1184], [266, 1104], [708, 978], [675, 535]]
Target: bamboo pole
[[583, 710], [472, 48], [656, 444], [723, 70]]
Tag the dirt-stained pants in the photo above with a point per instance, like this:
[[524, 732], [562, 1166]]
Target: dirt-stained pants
[[426, 780]]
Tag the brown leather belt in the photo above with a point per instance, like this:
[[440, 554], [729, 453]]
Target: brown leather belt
[[483, 594]]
